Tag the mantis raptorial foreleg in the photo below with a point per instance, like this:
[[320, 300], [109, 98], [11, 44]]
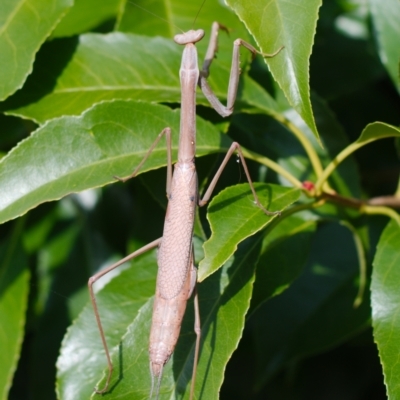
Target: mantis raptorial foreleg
[[176, 278], [227, 110]]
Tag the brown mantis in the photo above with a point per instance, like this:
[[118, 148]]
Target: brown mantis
[[176, 279]]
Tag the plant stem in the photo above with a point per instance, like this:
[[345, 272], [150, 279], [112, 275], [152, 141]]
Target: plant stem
[[273, 165], [308, 147], [381, 210], [362, 262]]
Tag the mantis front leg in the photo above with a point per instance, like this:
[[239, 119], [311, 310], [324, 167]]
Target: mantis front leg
[[227, 110]]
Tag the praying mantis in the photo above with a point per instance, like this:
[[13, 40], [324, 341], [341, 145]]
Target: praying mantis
[[176, 279]]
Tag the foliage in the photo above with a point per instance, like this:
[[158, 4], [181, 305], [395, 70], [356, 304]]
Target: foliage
[[86, 88]]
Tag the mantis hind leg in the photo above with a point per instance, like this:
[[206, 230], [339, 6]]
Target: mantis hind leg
[[197, 325], [197, 330]]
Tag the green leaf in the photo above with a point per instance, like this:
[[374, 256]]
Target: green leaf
[[167, 18], [71, 154], [136, 18], [316, 312], [24, 27], [271, 24], [385, 301], [125, 307], [385, 16], [376, 131], [234, 216], [106, 67], [86, 15], [14, 289]]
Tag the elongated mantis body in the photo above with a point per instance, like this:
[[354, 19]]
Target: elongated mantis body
[[176, 279]]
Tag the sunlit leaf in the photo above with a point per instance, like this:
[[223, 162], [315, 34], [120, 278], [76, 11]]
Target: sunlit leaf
[[86, 15], [385, 301], [234, 216], [279, 23], [24, 26]]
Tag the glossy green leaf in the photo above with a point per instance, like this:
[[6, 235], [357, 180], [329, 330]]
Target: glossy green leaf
[[272, 25], [126, 306], [385, 301], [106, 67], [385, 16], [167, 18], [14, 289], [24, 26], [71, 154], [136, 18], [317, 311], [234, 216], [376, 131], [86, 15]]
